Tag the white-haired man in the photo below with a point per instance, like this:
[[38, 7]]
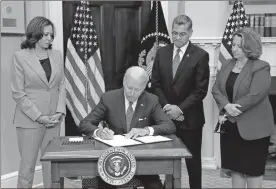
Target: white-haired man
[[121, 109]]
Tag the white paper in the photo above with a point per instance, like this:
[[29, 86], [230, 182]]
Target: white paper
[[75, 139], [119, 140], [152, 139]]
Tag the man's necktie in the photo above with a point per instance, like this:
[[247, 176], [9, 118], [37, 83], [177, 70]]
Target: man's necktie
[[176, 61], [129, 115]]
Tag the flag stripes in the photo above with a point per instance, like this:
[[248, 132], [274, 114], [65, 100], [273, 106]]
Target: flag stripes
[[236, 20], [83, 68]]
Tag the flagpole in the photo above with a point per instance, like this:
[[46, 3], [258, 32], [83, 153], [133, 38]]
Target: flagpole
[[156, 24], [85, 53]]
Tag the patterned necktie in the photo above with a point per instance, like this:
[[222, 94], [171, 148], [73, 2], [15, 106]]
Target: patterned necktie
[[129, 115], [176, 61]]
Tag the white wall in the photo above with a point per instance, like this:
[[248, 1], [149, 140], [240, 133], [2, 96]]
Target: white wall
[[9, 149], [209, 19]]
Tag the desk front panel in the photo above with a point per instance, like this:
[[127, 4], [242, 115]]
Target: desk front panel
[[89, 168]]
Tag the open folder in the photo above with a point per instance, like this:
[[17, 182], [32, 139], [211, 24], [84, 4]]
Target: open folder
[[120, 140]]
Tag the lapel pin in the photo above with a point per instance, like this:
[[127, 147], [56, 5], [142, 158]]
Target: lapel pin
[[188, 55], [142, 104]]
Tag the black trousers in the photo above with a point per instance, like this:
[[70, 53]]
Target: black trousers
[[192, 140], [148, 181]]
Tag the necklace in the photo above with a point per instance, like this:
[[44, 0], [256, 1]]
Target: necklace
[[42, 56], [238, 65]]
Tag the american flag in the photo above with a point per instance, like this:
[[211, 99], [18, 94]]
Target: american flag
[[83, 68], [236, 21]]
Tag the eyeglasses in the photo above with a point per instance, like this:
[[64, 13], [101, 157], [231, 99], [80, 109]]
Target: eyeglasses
[[181, 35], [219, 129]]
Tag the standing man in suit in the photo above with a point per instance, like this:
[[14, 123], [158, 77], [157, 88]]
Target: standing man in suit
[[37, 83], [180, 78], [129, 110]]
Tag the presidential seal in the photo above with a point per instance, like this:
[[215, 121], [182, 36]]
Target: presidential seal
[[116, 166]]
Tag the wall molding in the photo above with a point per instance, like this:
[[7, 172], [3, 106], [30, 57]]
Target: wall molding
[[212, 46], [209, 163], [206, 40], [217, 40], [10, 180]]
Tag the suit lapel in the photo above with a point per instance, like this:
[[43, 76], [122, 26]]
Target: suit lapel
[[54, 68], [34, 63], [185, 61], [225, 75], [122, 108], [169, 60], [247, 67], [138, 111]]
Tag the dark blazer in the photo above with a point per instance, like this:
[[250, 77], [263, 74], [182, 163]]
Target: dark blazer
[[111, 109], [189, 86], [32, 92], [251, 92]]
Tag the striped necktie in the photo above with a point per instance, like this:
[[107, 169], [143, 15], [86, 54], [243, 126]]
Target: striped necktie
[[129, 115]]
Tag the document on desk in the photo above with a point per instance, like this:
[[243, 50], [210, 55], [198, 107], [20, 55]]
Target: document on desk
[[119, 140], [152, 139]]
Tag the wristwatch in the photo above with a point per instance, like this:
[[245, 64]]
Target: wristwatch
[[148, 130]]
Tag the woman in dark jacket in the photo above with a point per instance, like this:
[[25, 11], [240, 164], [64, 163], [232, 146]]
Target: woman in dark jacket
[[241, 93]]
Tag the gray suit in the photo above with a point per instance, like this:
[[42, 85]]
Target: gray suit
[[35, 96], [251, 92]]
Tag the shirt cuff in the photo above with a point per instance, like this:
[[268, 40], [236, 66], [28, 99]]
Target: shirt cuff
[[180, 110], [165, 107], [151, 131], [94, 134]]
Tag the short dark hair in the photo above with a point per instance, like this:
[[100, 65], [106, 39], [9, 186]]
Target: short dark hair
[[251, 42], [34, 32], [182, 20]]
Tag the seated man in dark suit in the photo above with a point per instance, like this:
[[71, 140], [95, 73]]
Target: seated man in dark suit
[[129, 110]]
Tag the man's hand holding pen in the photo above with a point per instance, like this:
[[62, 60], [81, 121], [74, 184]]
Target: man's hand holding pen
[[105, 133]]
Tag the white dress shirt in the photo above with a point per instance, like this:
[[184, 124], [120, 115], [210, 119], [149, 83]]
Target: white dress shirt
[[182, 52]]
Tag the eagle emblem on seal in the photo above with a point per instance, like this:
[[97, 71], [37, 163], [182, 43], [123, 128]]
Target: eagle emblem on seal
[[116, 166]]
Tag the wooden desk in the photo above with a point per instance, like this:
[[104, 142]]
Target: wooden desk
[[81, 159]]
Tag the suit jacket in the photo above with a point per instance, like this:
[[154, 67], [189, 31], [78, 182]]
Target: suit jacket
[[189, 86], [33, 94], [111, 109], [251, 92]]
